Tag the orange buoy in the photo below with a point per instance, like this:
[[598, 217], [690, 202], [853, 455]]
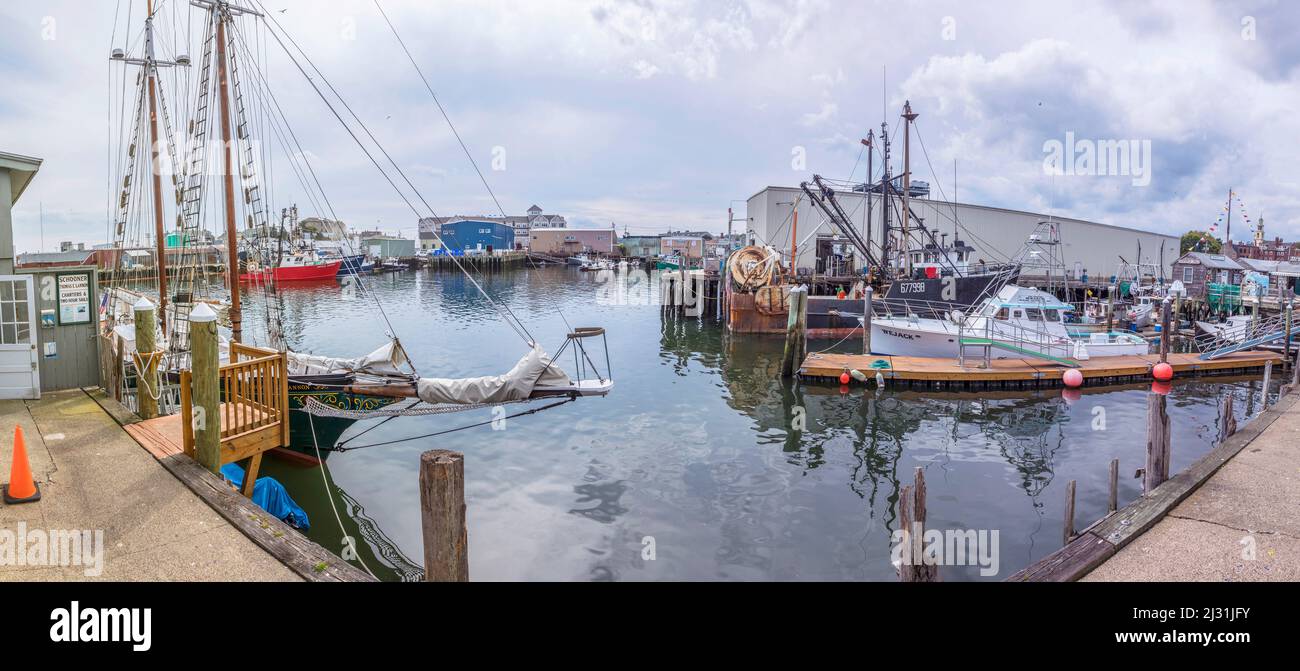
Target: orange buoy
[[1072, 378], [1163, 372], [844, 377], [21, 487]]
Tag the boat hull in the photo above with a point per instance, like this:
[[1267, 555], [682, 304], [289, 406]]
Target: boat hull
[[934, 339], [328, 430], [320, 271]]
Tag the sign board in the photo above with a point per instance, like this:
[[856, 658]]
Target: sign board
[[74, 298]]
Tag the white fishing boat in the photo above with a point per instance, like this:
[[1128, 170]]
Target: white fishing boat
[[1016, 322], [1232, 329]]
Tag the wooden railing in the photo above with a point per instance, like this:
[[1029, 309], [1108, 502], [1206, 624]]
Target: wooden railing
[[254, 412]]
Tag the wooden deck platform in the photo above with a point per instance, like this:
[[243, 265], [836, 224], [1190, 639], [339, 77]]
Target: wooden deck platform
[[162, 436], [1026, 372]]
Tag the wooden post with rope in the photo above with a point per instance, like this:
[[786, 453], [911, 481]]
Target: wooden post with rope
[[442, 516], [1158, 442], [148, 382], [205, 385]]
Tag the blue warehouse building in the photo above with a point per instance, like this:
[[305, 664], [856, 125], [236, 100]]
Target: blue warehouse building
[[477, 235]]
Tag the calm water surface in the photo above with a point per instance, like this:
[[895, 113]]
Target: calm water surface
[[694, 447]]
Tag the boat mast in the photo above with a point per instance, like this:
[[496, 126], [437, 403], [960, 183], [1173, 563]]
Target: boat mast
[[232, 237], [909, 116], [886, 231], [160, 236]]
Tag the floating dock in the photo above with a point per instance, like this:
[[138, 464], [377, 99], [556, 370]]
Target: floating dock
[[1022, 373]]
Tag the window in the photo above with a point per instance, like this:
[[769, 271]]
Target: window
[[1034, 314], [15, 321], [1019, 314], [1188, 273], [1052, 314]]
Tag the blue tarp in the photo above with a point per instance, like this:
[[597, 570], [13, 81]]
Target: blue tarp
[[271, 496]]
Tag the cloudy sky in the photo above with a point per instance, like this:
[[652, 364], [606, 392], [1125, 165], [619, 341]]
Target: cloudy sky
[[660, 113]]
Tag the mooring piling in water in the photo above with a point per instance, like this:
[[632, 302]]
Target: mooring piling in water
[[442, 516], [1113, 503], [1158, 442], [1268, 375], [1227, 423], [911, 518], [1069, 513], [1164, 330], [796, 342]]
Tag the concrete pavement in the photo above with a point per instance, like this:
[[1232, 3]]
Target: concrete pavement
[[1241, 524], [93, 476]]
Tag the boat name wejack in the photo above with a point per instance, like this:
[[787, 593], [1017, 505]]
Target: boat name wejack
[[949, 547]]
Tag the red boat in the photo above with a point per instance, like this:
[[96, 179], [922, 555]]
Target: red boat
[[294, 269]]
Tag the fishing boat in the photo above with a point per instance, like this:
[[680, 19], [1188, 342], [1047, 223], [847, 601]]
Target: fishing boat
[[671, 262], [1232, 328], [297, 266], [1017, 322]]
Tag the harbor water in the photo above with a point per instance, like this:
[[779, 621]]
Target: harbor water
[[701, 464]]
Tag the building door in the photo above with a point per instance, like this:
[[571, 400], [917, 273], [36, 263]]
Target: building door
[[20, 375]]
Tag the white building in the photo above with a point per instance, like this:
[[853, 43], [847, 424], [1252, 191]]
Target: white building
[[996, 233]]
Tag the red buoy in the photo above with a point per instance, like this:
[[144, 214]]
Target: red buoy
[[1163, 372], [1072, 378], [844, 377]]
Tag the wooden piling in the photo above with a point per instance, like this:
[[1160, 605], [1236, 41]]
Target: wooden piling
[[1110, 308], [1068, 534], [1164, 330], [442, 508], [866, 319], [148, 383], [1268, 376], [205, 381], [1158, 443], [1227, 423], [911, 518], [1286, 340], [796, 344], [1113, 504]]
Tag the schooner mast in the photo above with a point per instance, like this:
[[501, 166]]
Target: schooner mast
[[221, 12], [150, 63]]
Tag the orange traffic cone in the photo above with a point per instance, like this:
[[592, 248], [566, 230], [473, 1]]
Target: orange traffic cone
[[21, 488]]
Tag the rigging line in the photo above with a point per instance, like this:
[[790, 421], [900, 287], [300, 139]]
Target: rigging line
[[516, 325], [993, 251], [527, 336], [463, 146], [532, 411], [260, 77], [326, 481]]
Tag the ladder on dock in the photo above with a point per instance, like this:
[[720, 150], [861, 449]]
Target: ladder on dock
[[987, 344], [1230, 341]]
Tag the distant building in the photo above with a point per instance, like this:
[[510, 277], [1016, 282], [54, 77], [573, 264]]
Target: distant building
[[471, 234], [569, 241], [640, 246], [74, 257], [388, 246], [1196, 270], [693, 244], [521, 224]]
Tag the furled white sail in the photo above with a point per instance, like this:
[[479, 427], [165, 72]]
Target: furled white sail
[[533, 370], [388, 360]]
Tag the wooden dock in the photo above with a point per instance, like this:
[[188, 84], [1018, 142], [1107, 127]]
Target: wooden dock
[[1021, 373]]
